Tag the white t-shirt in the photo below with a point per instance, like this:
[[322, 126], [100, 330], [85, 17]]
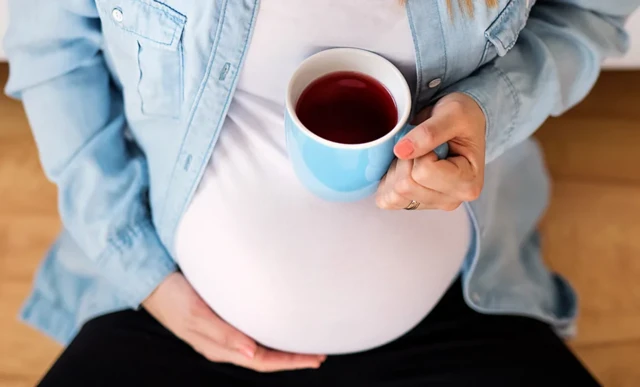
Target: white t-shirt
[[292, 271]]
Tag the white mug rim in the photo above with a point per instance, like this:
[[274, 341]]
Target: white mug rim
[[403, 117]]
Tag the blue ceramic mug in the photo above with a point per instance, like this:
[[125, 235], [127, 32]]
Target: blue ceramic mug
[[345, 172]]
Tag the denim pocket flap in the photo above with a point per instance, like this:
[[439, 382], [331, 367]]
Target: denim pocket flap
[[504, 31], [148, 20]]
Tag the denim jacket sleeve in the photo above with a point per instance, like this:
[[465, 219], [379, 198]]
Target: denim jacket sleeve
[[58, 71], [552, 66]]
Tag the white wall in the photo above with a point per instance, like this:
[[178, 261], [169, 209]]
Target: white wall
[[632, 60], [4, 13]]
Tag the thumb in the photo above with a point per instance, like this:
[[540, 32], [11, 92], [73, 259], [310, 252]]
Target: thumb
[[425, 137]]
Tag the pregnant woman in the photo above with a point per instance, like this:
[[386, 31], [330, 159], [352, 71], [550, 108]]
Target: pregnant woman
[[191, 254]]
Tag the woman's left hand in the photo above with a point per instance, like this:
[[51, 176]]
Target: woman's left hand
[[418, 175]]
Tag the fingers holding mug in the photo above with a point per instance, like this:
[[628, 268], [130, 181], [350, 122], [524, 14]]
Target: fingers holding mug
[[399, 191]]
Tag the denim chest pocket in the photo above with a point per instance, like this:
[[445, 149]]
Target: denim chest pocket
[[503, 33], [148, 33]]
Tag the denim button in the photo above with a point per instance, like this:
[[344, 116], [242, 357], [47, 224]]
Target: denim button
[[117, 15], [435, 83]]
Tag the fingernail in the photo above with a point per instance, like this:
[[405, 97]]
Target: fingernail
[[404, 148], [323, 358], [247, 351]]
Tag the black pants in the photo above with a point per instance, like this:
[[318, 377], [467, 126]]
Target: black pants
[[453, 346]]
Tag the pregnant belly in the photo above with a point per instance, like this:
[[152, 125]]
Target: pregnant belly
[[313, 277]]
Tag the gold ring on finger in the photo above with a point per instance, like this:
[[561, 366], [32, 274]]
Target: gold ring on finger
[[412, 206]]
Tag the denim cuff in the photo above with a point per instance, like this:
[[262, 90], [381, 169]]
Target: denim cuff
[[136, 262]]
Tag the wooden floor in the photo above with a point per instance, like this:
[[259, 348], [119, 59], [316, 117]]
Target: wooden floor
[[591, 231]]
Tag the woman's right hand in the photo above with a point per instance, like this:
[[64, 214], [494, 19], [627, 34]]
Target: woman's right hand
[[177, 306]]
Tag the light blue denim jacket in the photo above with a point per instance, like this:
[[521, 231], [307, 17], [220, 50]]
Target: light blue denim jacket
[[126, 99]]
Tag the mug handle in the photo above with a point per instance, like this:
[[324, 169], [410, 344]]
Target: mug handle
[[442, 151]]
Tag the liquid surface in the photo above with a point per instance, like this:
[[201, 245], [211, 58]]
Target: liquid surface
[[347, 108]]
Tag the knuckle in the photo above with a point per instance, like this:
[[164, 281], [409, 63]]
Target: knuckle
[[420, 174], [472, 193], [261, 367], [426, 134], [404, 186], [396, 199], [191, 323], [226, 339], [455, 106], [195, 308], [212, 356], [450, 206]]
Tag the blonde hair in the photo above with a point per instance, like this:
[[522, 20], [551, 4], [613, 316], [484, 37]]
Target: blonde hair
[[466, 6]]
